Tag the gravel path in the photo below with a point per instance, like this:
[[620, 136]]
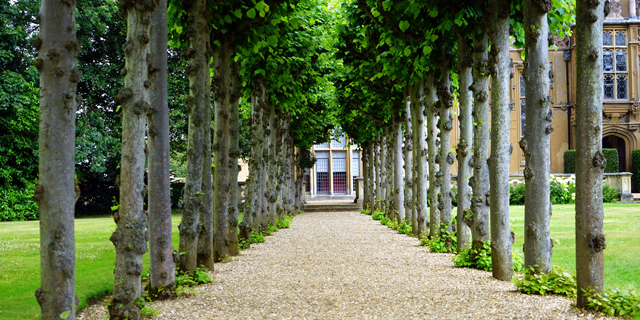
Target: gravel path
[[344, 265]]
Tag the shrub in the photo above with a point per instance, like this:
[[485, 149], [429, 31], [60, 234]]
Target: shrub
[[616, 302], [562, 190], [404, 228], [558, 281], [480, 258], [570, 161], [176, 193], [284, 223], [378, 215], [392, 223], [517, 194], [635, 168], [385, 220], [609, 194], [17, 204], [257, 237], [613, 161], [367, 212]]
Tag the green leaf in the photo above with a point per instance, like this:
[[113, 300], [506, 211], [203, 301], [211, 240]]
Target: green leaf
[[407, 51], [404, 25], [179, 29], [227, 19], [251, 13], [238, 13], [272, 40], [65, 315]]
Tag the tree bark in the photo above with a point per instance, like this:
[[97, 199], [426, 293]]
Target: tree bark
[[162, 266], [56, 192], [419, 145], [372, 177], [398, 177], [479, 222], [409, 201], [389, 172], [234, 154], [445, 102], [501, 236], [272, 166], [379, 175], [590, 162], [536, 143], [222, 97], [130, 237], [198, 102], [432, 127], [465, 78], [205, 238]]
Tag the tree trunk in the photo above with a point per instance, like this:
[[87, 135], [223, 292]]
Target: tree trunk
[[372, 177], [198, 102], [409, 201], [590, 162], [234, 154], [389, 170], [479, 222], [465, 78], [445, 101], [272, 166], [56, 192], [536, 143], [501, 236], [432, 127], [365, 176], [379, 175], [162, 266], [222, 97], [205, 238], [419, 223], [130, 237], [398, 177]]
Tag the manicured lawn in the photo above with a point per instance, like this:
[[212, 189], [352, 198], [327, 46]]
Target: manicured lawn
[[622, 230], [20, 263]]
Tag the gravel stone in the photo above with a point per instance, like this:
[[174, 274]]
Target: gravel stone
[[344, 265]]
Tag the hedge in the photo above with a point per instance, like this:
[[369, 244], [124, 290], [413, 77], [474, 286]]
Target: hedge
[[16, 204], [635, 169], [613, 161]]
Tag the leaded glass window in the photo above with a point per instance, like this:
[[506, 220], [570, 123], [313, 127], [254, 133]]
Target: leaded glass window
[[607, 38], [614, 64], [608, 86], [622, 86]]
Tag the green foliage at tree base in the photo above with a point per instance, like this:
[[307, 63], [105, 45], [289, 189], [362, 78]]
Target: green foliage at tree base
[[367, 212], [477, 258], [616, 302], [445, 242], [257, 237], [284, 223], [378, 215], [558, 281]]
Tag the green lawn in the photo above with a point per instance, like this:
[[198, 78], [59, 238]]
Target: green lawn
[[20, 263], [622, 230]]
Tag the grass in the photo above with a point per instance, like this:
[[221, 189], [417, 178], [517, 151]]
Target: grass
[[95, 256], [622, 230]]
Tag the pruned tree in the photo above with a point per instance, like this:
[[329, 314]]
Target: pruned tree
[[56, 192]]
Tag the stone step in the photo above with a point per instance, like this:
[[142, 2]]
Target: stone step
[[331, 206]]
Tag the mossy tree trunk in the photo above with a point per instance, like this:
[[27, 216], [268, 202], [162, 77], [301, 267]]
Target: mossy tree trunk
[[445, 102], [272, 166], [234, 154], [465, 78], [432, 149], [536, 143], [419, 222], [409, 201], [398, 176], [56, 192], [130, 237], [501, 236], [479, 221], [162, 267], [221, 88], [389, 172], [379, 178], [197, 70], [590, 162]]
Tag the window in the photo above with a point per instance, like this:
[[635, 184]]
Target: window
[[355, 167], [322, 145], [340, 144], [614, 64], [339, 172], [322, 172]]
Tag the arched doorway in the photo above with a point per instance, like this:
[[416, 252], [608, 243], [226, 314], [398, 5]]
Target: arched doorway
[[618, 143]]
